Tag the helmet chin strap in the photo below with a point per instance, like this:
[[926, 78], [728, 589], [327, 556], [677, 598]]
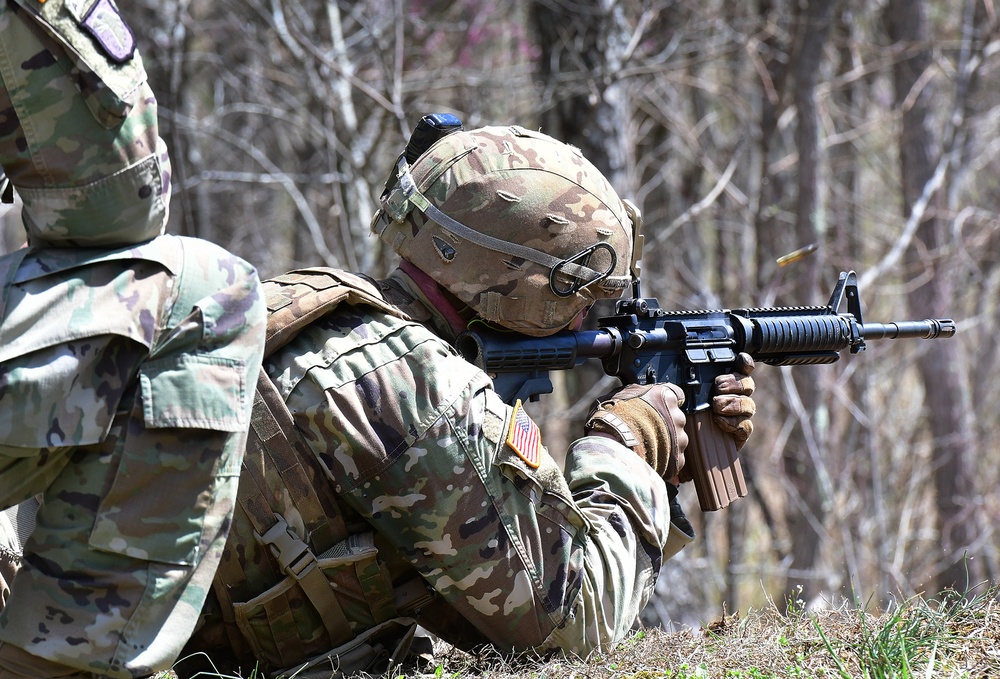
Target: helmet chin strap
[[435, 296]]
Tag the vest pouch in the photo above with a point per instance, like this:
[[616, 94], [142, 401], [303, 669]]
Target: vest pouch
[[292, 621]]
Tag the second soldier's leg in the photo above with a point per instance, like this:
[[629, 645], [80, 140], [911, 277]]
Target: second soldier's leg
[[130, 534], [86, 607]]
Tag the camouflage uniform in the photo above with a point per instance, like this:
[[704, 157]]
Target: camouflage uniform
[[126, 359], [382, 465], [78, 125], [413, 438], [412, 441]]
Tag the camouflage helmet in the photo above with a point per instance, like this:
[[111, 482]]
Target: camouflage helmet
[[519, 226]]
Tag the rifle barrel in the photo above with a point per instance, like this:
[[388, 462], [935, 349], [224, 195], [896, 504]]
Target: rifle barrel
[[931, 328]]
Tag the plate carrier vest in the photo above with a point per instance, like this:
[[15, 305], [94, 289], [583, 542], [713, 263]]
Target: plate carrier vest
[[354, 618]]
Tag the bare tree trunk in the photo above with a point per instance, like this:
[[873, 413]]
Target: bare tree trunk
[[773, 71], [861, 463], [773, 77], [806, 444], [953, 438], [804, 510], [584, 104]]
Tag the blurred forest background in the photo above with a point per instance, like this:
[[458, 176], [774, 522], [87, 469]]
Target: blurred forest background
[[744, 131]]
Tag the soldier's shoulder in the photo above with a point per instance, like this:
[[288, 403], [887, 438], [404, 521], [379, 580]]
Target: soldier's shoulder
[[357, 340]]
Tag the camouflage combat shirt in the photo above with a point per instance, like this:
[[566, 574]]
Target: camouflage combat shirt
[[414, 440]]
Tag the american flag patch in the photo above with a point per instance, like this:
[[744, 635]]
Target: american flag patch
[[524, 437]]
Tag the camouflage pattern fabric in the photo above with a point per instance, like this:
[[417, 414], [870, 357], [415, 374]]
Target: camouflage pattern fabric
[[126, 359], [540, 232], [125, 382], [413, 438], [413, 442], [78, 126]]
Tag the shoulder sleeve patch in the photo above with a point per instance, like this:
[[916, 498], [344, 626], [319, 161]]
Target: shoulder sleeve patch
[[105, 23], [523, 437]]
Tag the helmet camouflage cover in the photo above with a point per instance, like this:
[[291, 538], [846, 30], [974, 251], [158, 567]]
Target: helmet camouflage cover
[[519, 226]]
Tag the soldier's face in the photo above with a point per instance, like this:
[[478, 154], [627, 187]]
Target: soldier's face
[[577, 322]]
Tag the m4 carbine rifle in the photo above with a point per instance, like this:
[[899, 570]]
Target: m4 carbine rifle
[[644, 344]]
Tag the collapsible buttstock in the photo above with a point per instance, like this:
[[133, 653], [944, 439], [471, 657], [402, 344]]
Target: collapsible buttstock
[[714, 463]]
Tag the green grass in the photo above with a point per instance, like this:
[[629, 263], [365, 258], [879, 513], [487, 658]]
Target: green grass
[[952, 637], [944, 638]]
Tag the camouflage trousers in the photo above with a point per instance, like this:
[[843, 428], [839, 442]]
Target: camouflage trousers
[[126, 379]]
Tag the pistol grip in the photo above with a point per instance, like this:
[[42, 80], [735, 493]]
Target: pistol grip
[[715, 465]]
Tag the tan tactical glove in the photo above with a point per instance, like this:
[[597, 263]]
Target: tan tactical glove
[[732, 405], [648, 419]]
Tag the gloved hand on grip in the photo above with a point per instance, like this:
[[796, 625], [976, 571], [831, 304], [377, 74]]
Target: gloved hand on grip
[[732, 405], [648, 419]]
